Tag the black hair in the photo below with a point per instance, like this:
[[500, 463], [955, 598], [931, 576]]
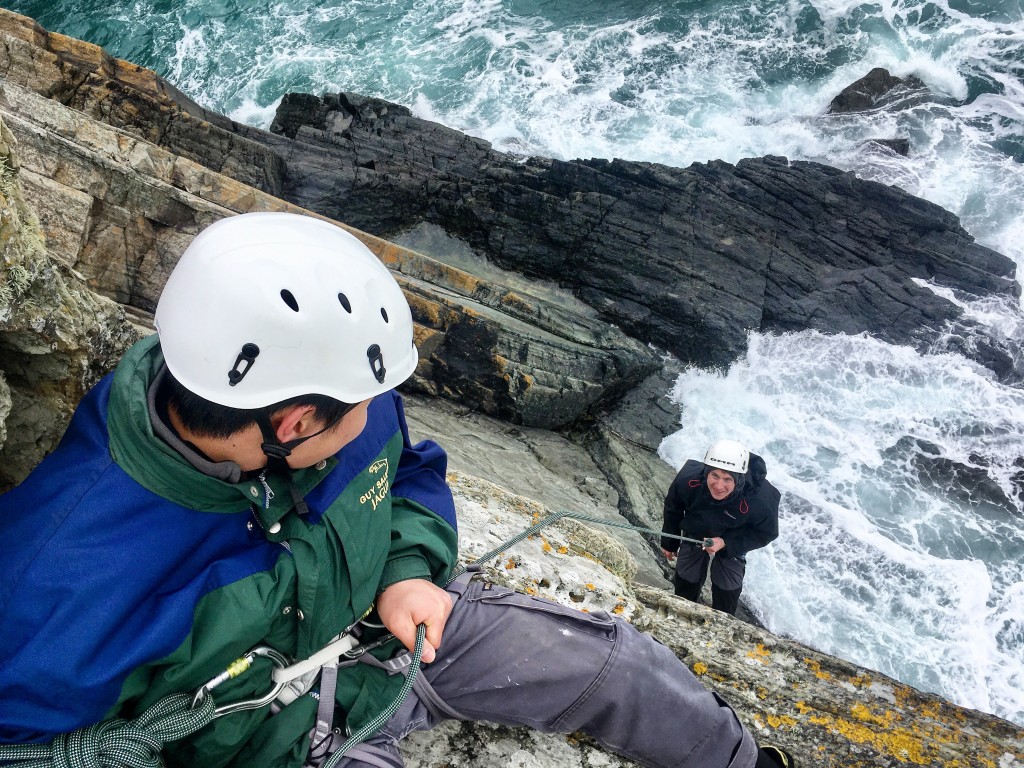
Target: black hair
[[207, 419]]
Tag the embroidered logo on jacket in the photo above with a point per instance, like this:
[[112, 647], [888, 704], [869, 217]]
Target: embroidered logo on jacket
[[378, 490]]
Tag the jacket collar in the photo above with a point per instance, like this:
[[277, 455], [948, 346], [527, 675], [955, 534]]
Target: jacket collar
[[155, 457]]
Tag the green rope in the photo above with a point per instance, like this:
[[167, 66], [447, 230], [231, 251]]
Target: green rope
[[627, 526], [382, 717], [117, 743], [377, 723]]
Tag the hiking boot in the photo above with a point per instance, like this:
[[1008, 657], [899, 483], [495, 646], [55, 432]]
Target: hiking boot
[[774, 757]]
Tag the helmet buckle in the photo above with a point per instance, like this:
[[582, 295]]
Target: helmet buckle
[[376, 359], [248, 355]]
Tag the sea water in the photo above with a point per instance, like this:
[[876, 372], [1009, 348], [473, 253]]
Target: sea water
[[902, 523]]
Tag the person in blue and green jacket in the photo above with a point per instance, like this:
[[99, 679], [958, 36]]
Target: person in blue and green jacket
[[245, 480]]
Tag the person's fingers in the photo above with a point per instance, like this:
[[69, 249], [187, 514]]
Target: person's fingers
[[406, 604], [428, 652], [433, 637], [404, 629]]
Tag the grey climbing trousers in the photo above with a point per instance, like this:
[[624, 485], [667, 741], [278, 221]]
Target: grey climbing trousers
[[514, 659]]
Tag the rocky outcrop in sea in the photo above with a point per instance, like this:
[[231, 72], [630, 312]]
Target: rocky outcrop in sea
[[554, 301]]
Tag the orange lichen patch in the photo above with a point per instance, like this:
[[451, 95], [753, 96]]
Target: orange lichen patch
[[427, 312], [862, 680], [619, 608], [590, 586], [545, 546], [781, 721], [760, 653], [700, 668], [898, 743], [865, 715], [816, 669], [515, 301], [510, 564], [530, 590], [563, 550], [915, 743]]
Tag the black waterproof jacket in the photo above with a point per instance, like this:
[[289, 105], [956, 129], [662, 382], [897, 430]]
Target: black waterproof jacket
[[746, 520]]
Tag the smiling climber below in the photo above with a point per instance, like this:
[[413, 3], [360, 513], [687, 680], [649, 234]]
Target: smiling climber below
[[727, 502]]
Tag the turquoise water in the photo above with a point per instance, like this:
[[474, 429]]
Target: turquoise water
[[917, 579]]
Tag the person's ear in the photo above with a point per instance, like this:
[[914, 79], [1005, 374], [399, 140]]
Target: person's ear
[[295, 422]]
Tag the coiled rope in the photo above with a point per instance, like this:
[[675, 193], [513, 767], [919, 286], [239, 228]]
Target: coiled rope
[[119, 743]]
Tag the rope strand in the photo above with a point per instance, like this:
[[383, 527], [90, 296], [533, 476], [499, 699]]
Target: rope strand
[[119, 743]]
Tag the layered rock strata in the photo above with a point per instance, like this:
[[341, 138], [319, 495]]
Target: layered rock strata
[[57, 338], [119, 199], [689, 259], [57, 334]]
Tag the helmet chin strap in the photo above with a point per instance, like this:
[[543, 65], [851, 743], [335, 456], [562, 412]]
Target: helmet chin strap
[[277, 454]]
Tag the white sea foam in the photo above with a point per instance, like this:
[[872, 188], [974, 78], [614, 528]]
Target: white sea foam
[[905, 569], [910, 560]]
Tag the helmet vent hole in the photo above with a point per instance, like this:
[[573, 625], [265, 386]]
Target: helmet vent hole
[[289, 299], [345, 302], [384, 314]]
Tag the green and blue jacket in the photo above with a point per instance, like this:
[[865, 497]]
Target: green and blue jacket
[[128, 574]]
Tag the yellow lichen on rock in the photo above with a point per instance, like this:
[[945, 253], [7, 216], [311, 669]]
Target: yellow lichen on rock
[[817, 670], [759, 653]]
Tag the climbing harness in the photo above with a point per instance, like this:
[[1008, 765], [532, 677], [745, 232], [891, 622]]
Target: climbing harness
[[119, 743]]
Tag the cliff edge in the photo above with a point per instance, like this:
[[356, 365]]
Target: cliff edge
[[105, 176]]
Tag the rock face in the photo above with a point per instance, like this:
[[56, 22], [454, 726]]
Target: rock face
[[57, 338], [119, 201], [687, 259], [122, 171], [827, 712]]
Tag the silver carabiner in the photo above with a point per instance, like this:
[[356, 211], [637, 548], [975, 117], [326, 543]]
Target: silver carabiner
[[236, 668]]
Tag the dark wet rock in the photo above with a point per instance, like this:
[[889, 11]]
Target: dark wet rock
[[968, 483], [877, 90], [896, 146], [687, 259]]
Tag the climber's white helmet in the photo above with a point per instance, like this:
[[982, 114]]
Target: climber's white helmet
[[263, 307], [729, 455]]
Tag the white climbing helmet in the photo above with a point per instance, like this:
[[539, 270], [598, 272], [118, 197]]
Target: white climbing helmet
[[729, 455], [262, 307]]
